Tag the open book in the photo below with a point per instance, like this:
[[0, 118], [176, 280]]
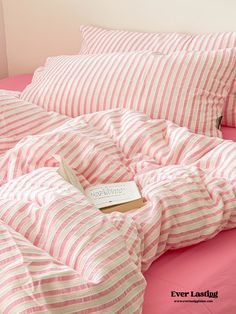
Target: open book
[[121, 196]]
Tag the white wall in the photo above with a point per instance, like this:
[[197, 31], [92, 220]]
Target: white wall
[[3, 54], [36, 29]]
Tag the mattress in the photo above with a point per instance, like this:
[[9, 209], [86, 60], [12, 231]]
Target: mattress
[[177, 276]]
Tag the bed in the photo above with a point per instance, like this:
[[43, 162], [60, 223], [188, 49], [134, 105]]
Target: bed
[[206, 267]]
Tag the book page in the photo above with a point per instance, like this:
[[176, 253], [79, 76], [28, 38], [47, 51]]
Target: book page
[[68, 174], [104, 195]]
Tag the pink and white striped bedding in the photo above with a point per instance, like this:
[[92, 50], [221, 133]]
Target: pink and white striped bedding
[[187, 88], [103, 40], [19, 118], [59, 254], [100, 40]]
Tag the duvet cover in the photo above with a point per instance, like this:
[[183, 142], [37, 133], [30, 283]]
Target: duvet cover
[[60, 254]]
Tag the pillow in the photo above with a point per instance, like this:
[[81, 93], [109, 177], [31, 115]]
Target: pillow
[[187, 88], [100, 40]]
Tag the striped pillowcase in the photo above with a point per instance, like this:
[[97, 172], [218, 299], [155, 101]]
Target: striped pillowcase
[[99, 40], [187, 88]]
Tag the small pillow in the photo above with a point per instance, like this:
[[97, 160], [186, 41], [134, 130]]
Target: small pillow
[[101, 40], [188, 88]]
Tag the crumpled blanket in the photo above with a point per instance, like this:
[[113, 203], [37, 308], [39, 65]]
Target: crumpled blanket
[[60, 254]]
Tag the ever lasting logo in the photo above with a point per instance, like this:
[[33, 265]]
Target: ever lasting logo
[[194, 296]]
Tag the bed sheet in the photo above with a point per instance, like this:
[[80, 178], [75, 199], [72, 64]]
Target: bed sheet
[[208, 266], [229, 133], [16, 83]]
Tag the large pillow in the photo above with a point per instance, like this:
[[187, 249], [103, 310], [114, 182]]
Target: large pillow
[[187, 88], [100, 40]]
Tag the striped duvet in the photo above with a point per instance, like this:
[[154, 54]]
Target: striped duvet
[[60, 254]]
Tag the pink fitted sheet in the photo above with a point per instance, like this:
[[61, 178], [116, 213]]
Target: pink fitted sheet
[[16, 83], [209, 265], [229, 133]]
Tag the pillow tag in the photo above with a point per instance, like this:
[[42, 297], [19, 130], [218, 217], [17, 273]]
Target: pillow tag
[[218, 122]]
